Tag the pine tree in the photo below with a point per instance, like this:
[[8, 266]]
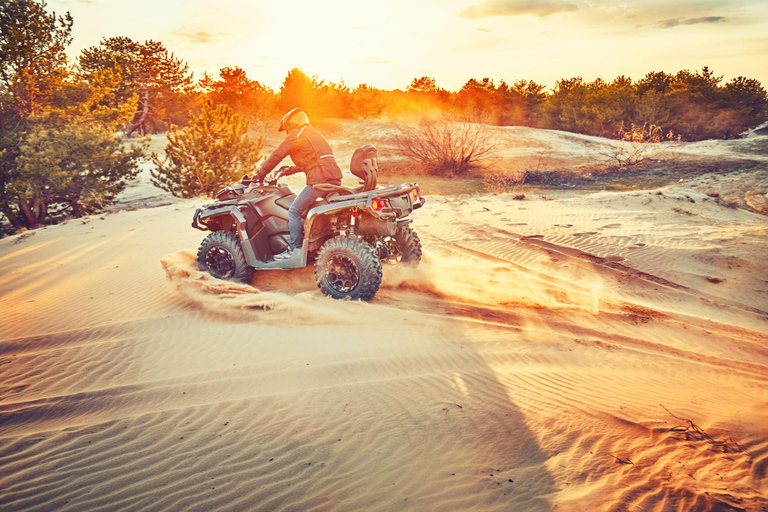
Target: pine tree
[[300, 90], [79, 167], [366, 102], [58, 154], [32, 58], [245, 96], [423, 84], [148, 71], [212, 152]]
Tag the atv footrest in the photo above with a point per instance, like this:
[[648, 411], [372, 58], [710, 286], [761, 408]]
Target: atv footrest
[[296, 260]]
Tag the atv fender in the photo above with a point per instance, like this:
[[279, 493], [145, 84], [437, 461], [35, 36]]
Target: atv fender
[[194, 221], [242, 234]]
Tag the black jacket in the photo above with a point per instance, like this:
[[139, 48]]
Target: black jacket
[[310, 153]]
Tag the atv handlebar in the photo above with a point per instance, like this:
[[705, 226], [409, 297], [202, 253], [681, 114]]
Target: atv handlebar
[[271, 181], [246, 180]]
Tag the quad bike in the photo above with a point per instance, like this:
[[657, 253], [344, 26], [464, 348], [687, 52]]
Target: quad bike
[[347, 234]]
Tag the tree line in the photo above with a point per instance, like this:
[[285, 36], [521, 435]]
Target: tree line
[[693, 105]]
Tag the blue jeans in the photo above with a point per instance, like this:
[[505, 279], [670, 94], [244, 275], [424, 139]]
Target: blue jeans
[[301, 205]]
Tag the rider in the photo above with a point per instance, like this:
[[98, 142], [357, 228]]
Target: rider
[[312, 155]]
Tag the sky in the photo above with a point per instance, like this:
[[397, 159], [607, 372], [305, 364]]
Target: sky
[[387, 43]]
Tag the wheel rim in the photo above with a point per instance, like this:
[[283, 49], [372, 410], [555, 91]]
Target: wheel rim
[[220, 262], [343, 274]]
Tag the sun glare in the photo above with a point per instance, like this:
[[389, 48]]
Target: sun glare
[[387, 44], [339, 40]]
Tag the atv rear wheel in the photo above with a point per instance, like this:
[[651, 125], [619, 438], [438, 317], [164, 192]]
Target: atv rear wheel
[[347, 267], [409, 245], [221, 255]]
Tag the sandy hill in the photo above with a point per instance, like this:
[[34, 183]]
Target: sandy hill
[[594, 350]]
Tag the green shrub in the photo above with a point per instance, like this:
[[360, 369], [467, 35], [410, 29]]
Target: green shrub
[[69, 171], [59, 156], [212, 152]]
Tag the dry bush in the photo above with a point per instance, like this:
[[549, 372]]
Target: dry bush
[[638, 144], [506, 182], [445, 148], [684, 211]]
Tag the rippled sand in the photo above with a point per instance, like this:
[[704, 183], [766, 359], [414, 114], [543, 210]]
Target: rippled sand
[[598, 352]]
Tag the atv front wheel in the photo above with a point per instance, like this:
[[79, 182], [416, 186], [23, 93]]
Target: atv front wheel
[[347, 267], [409, 245], [221, 255]]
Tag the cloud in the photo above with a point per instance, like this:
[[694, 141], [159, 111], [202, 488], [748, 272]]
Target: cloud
[[374, 60], [674, 22], [201, 36], [541, 8]]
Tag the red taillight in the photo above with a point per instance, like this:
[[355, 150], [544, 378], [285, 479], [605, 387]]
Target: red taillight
[[377, 205], [415, 195]]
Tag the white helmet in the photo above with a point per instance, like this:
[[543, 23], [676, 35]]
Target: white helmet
[[295, 118]]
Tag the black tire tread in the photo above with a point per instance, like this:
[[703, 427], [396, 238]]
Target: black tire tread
[[243, 271], [410, 246], [371, 273]]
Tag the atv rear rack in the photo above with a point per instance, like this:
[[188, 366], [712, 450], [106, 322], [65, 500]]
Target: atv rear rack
[[389, 190]]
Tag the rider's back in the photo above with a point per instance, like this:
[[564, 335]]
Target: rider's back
[[313, 155]]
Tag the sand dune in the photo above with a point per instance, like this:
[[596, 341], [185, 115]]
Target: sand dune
[[603, 351], [524, 366]]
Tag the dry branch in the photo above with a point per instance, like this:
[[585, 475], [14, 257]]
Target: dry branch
[[445, 148], [693, 430], [622, 461], [638, 144]]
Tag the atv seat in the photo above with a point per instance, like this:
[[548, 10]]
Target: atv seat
[[364, 165], [319, 202], [333, 189]]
